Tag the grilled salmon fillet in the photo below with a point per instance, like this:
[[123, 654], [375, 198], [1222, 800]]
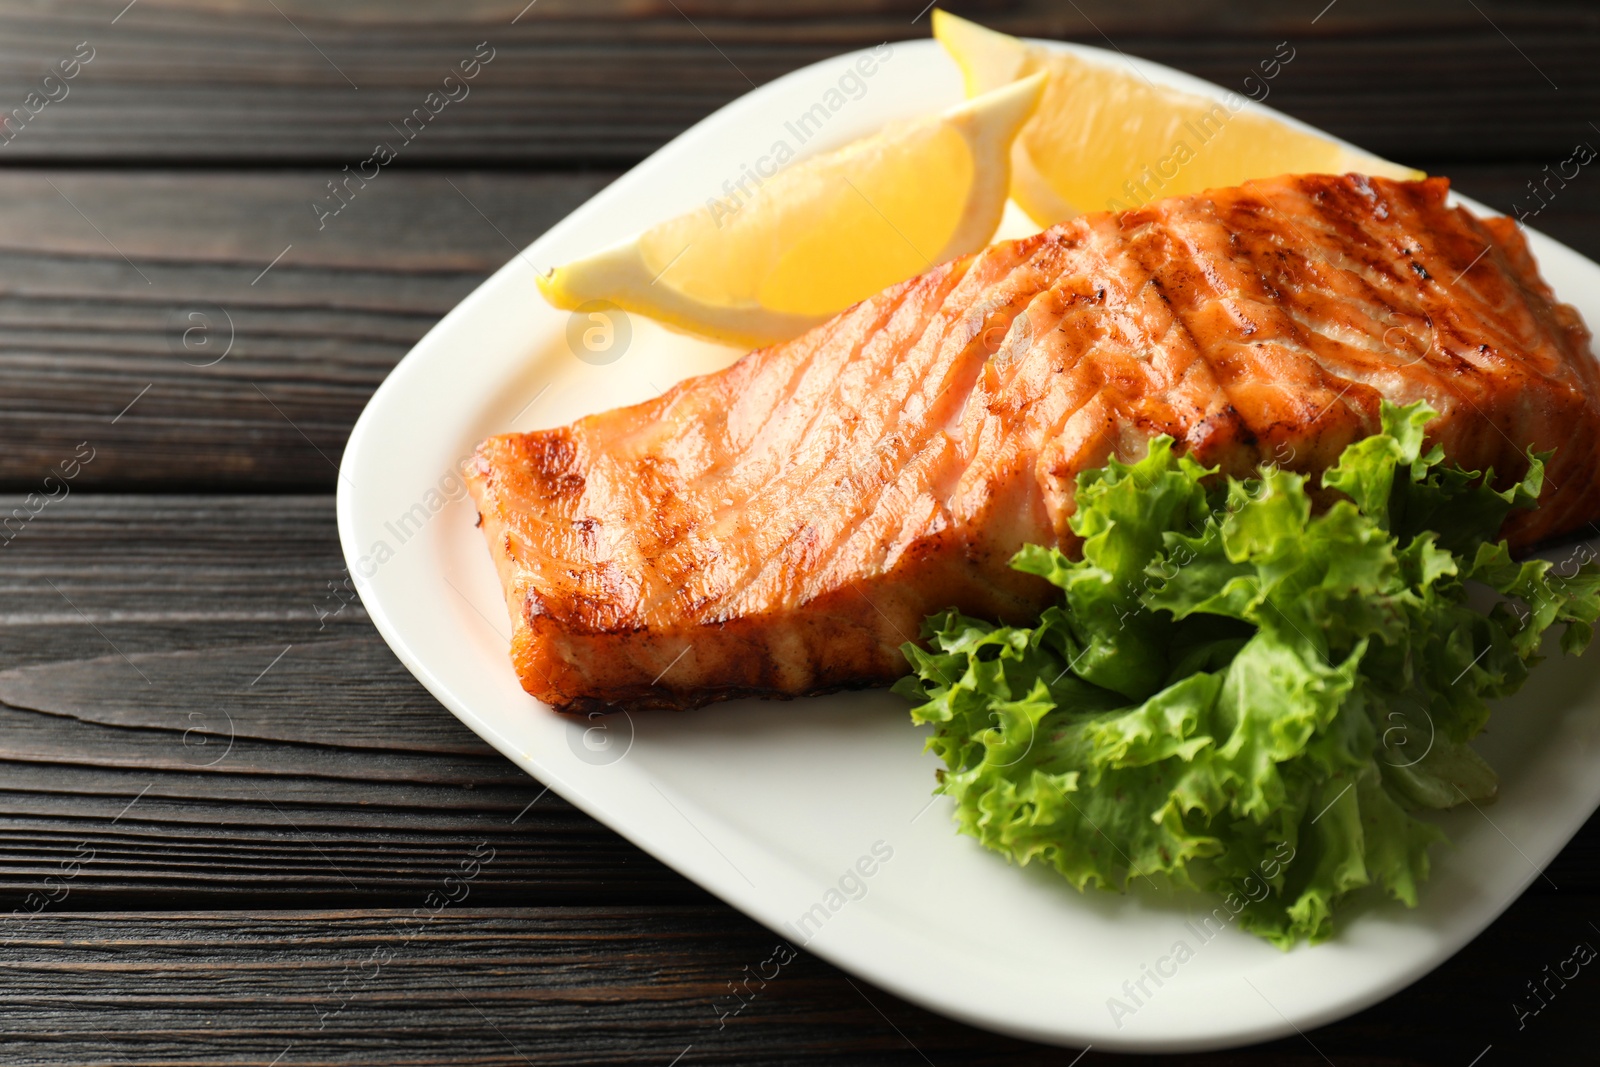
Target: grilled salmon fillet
[[783, 526]]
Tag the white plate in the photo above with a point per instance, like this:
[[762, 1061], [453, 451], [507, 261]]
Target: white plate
[[772, 805]]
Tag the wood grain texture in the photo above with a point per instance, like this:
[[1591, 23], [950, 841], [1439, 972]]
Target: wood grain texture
[[632, 985], [206, 709], [611, 80], [135, 314], [85, 333]]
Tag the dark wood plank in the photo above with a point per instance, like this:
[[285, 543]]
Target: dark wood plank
[[181, 572], [239, 821], [120, 294], [470, 987], [83, 334], [610, 80], [635, 986], [202, 714], [240, 687]]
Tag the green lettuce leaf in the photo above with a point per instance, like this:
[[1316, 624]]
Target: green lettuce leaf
[[1243, 693]]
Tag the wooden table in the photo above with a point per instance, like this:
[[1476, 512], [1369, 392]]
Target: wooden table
[[220, 794]]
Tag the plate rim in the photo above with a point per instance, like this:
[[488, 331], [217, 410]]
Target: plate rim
[[347, 504]]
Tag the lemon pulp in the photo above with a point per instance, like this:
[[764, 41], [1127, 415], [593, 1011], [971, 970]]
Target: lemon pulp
[[1105, 139], [821, 234]]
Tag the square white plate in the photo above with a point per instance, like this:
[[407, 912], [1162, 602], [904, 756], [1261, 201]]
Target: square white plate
[[778, 807]]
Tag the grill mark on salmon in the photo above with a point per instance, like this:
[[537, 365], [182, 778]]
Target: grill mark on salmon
[[783, 526]]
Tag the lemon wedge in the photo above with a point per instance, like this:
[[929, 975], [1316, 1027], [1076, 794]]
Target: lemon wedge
[[784, 253], [1104, 138]]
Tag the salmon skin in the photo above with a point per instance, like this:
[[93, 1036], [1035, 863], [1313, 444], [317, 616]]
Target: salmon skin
[[783, 526]]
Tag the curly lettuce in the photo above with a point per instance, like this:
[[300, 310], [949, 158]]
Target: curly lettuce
[[1240, 688]]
